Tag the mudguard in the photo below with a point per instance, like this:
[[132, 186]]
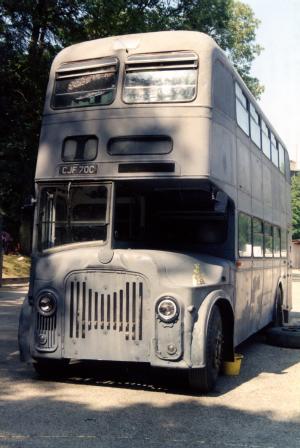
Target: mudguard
[[24, 331], [198, 356]]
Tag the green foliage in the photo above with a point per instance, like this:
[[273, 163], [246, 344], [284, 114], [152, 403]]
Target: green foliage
[[295, 192], [231, 23], [33, 31], [240, 43]]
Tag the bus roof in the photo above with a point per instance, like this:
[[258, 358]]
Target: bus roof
[[161, 41]]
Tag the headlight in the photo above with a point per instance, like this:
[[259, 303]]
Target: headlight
[[167, 309], [46, 304]]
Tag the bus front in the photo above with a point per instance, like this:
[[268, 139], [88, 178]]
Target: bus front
[[132, 242]]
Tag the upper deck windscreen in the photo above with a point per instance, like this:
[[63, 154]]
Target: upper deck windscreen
[[160, 78], [85, 83]]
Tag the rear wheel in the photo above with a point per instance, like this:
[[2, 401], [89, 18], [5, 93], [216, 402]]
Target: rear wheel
[[204, 380], [286, 336], [278, 311]]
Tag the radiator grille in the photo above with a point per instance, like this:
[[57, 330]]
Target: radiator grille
[[118, 311], [46, 326]]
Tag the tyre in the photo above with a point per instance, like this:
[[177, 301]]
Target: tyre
[[204, 380], [278, 311], [50, 368], [287, 336]]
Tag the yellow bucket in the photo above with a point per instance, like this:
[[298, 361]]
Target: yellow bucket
[[233, 367]]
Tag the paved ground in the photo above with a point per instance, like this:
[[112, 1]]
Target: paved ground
[[114, 408]]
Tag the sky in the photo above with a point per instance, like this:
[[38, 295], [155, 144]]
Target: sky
[[278, 67]]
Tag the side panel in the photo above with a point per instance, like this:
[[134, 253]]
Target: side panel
[[257, 294], [268, 293], [242, 306]]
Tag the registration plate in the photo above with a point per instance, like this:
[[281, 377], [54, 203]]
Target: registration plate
[[68, 170]]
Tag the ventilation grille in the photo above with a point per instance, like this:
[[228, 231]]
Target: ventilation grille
[[88, 67], [46, 327], [180, 60], [106, 312]]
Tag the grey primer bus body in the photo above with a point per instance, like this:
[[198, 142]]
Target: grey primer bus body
[[163, 209]]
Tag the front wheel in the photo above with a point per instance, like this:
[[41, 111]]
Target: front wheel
[[204, 380], [50, 368]]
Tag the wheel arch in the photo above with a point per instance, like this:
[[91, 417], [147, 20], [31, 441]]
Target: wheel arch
[[24, 331], [221, 299], [228, 327]]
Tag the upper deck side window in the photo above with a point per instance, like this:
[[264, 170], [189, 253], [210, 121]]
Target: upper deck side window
[[266, 142], [250, 121], [161, 78], [85, 83], [274, 150], [281, 158], [255, 131], [242, 109]]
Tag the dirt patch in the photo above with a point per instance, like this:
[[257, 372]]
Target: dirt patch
[[15, 266]]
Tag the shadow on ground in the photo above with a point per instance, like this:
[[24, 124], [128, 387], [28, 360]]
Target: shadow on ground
[[100, 405]]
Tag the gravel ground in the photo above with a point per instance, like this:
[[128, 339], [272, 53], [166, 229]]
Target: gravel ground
[[96, 406]]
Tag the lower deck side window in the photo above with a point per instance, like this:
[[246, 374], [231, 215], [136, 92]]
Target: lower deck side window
[[245, 235], [268, 240], [258, 237], [168, 218]]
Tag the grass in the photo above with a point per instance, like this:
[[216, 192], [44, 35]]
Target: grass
[[15, 266]]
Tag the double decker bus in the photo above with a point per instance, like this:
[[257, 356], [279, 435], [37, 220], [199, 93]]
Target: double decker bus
[[162, 220]]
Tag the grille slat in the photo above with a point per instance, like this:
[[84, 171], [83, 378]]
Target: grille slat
[[115, 311], [102, 311], [90, 310], [83, 310], [105, 311], [121, 311], [140, 302], [72, 310], [127, 310], [77, 308], [133, 311], [96, 311], [108, 312]]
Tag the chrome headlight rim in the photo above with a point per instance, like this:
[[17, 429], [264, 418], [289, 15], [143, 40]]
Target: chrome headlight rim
[[170, 300], [53, 300]]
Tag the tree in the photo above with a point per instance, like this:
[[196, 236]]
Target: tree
[[240, 43], [295, 192], [231, 23], [33, 31]]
